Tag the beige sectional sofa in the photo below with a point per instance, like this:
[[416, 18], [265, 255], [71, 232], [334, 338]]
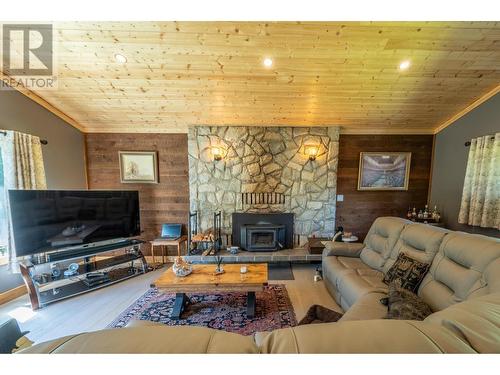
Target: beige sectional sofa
[[462, 287], [463, 266], [472, 326]]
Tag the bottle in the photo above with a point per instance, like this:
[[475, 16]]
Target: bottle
[[341, 230], [425, 215], [434, 213], [409, 214], [414, 213], [420, 214]]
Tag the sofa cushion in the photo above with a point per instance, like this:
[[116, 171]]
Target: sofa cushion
[[354, 286], [367, 336], [406, 273], [156, 338], [336, 268], [405, 305], [466, 266], [345, 249], [380, 240], [475, 321], [367, 307], [418, 241]]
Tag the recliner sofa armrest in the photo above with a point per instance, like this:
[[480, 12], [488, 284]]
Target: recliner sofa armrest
[[149, 339], [344, 249], [364, 336]]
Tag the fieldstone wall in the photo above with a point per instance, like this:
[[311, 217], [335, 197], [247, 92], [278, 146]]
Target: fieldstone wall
[[264, 160]]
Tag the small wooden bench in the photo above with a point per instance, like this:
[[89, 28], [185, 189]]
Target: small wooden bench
[[162, 243]]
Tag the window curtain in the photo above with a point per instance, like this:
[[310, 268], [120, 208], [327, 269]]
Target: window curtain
[[23, 169], [29, 171], [480, 204]]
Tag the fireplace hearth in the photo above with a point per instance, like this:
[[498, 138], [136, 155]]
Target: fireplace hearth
[[262, 231]]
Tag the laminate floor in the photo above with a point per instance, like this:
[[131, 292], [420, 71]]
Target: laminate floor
[[93, 311]]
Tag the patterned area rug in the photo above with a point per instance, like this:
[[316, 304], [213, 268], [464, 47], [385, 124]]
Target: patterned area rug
[[224, 311]]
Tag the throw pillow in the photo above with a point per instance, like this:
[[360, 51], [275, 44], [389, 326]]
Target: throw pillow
[[405, 305], [320, 314], [406, 272]]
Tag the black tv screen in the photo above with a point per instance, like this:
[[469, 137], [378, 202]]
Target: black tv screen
[[47, 220]]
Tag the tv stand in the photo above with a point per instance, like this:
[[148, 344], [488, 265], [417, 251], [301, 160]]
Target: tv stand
[[98, 266]]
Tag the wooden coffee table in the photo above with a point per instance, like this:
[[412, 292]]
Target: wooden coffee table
[[203, 279]]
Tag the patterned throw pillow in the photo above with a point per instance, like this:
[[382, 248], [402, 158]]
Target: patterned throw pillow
[[406, 272], [405, 305]]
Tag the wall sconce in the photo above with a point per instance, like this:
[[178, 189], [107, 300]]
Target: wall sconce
[[217, 153], [311, 151]]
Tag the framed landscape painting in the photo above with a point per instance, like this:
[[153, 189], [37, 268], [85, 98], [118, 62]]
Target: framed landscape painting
[[138, 167], [384, 170]]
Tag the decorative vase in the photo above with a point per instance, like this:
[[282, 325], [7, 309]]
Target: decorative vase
[[219, 270], [181, 267]]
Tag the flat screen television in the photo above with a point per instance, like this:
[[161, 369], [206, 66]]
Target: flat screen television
[[48, 220]]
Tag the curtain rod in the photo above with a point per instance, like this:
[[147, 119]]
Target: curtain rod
[[467, 144], [42, 141]]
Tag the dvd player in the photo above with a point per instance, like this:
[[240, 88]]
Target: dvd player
[[96, 278]]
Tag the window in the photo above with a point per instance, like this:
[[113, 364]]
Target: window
[[3, 217]]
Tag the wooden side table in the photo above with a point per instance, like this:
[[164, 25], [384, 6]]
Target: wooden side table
[[162, 243]]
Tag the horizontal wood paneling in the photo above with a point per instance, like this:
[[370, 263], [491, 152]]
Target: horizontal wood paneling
[[211, 73], [360, 208], [165, 202]]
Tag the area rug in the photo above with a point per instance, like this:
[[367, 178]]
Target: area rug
[[223, 311]]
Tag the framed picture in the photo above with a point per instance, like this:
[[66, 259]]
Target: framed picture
[[138, 167], [384, 170]]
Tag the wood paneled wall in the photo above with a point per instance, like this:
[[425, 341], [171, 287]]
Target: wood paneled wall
[[165, 202], [360, 208], [168, 201]]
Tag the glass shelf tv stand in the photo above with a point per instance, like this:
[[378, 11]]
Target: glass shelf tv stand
[[53, 277]]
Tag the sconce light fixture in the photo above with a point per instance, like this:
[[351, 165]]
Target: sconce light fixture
[[217, 153], [311, 151]]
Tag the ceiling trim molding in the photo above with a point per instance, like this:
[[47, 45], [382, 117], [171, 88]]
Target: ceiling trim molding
[[45, 104], [343, 130], [130, 130], [467, 109], [388, 131]]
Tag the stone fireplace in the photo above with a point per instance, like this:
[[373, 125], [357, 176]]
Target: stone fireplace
[[264, 170]]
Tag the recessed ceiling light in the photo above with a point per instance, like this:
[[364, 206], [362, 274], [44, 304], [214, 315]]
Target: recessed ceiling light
[[268, 62], [119, 58], [404, 65]]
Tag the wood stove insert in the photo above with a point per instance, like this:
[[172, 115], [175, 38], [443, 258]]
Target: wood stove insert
[[263, 231]]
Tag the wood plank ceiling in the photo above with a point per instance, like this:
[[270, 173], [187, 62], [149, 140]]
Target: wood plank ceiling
[[198, 73]]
